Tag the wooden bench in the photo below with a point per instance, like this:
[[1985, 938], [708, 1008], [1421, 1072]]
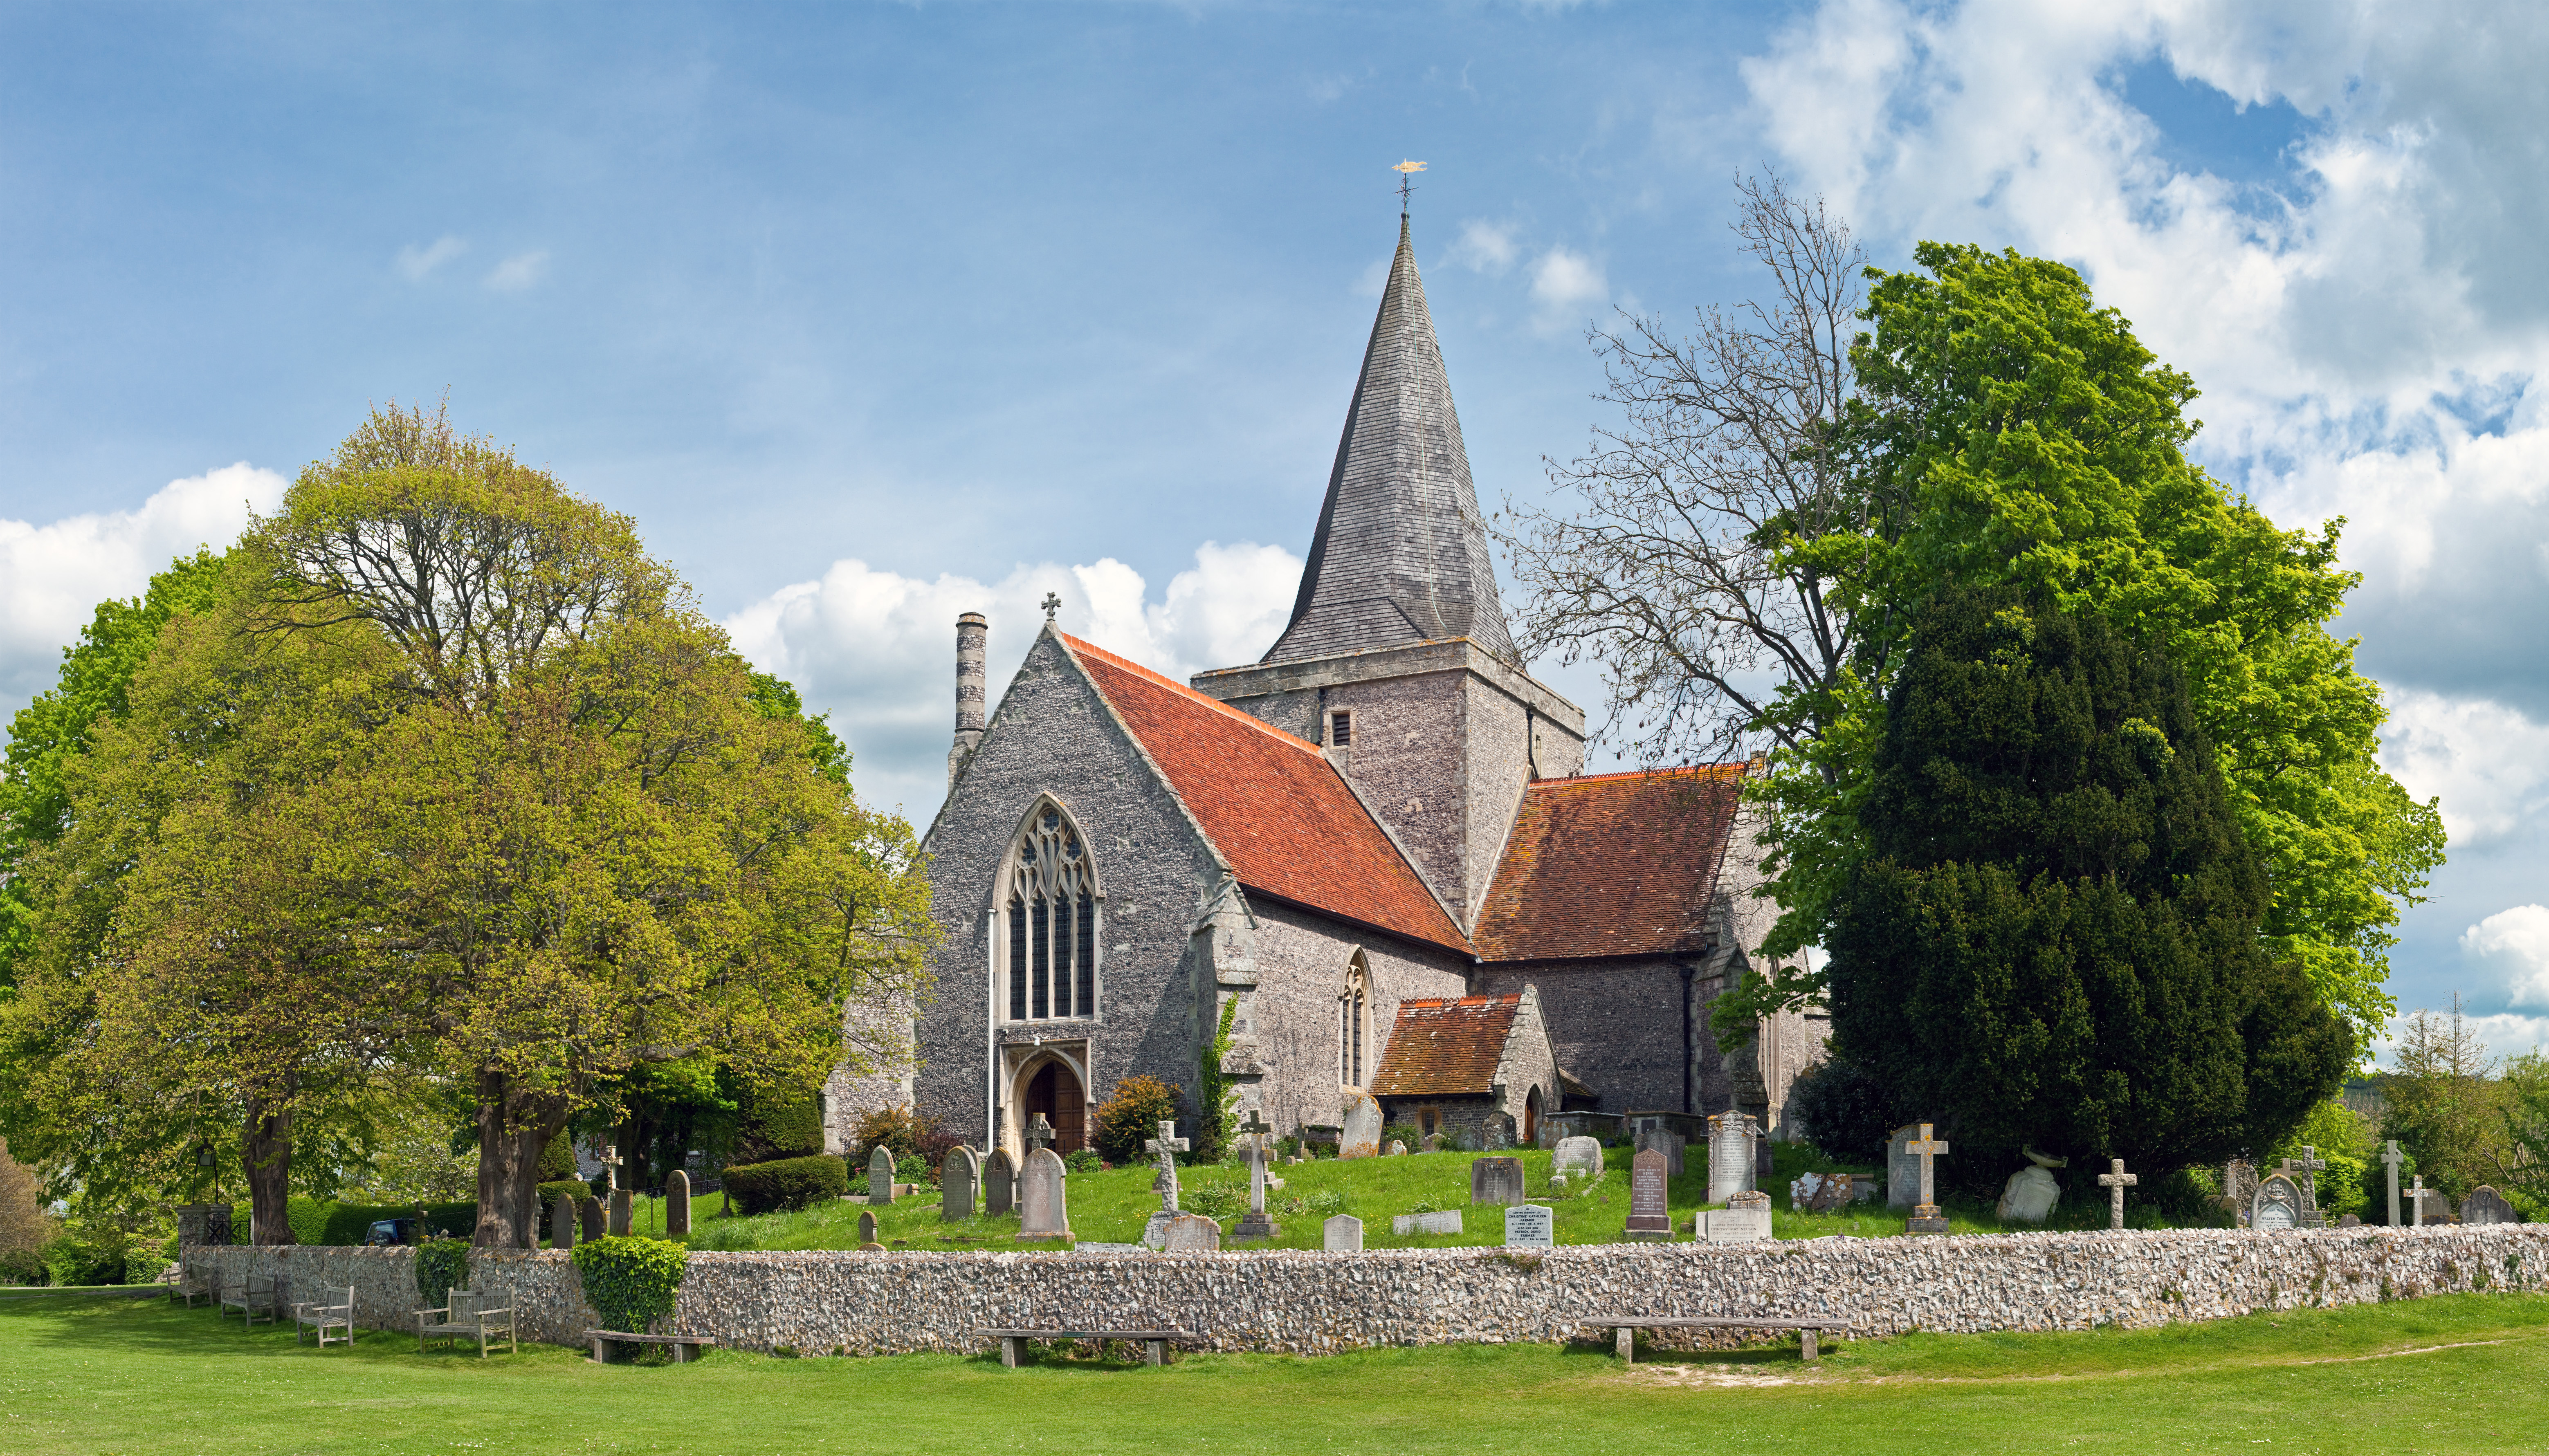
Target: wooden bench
[[190, 1287], [684, 1347], [247, 1296], [1155, 1342], [467, 1314], [324, 1316], [1628, 1325]]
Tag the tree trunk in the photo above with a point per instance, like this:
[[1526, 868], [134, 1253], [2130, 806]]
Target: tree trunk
[[514, 1127], [266, 1151]]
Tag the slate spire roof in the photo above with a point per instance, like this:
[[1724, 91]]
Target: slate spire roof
[[1401, 552]]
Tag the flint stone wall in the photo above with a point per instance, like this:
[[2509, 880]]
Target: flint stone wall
[[1312, 1303]]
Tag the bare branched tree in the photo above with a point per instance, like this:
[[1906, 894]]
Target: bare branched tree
[[1690, 550]]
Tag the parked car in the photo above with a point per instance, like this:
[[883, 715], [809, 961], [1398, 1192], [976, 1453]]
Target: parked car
[[391, 1232]]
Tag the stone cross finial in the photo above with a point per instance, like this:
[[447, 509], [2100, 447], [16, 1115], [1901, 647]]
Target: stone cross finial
[[2116, 1180], [1052, 605], [1166, 1148], [2417, 1195], [1039, 1134], [2310, 1162], [1926, 1147], [2393, 1157]]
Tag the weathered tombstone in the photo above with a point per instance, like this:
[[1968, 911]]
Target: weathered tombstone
[[1164, 1149], [2486, 1206], [1445, 1222], [1342, 1234], [1191, 1233], [676, 1203], [1650, 1220], [588, 1212], [1397, 1148], [866, 1226], [958, 1172], [1254, 1224], [2278, 1205], [619, 1223], [2308, 1165], [1578, 1155], [2349, 1222], [1000, 1183], [1821, 1193], [1431, 1143], [1361, 1135], [2390, 1157], [1655, 1137], [880, 1174], [1926, 1216], [1902, 1169], [562, 1223], [1042, 1213], [1496, 1180], [2116, 1180], [2030, 1192], [1530, 1225], [1745, 1218], [1729, 1155], [2240, 1188], [1496, 1131]]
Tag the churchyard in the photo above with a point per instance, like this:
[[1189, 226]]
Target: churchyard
[[2458, 1373]]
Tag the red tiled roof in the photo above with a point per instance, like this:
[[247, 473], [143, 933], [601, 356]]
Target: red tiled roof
[[1271, 803], [1445, 1049], [1612, 864]]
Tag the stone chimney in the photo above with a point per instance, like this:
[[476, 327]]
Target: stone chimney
[[973, 629]]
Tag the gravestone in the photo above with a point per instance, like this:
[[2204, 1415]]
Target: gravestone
[[2278, 1205], [1660, 1139], [1342, 1234], [1254, 1224], [958, 1172], [2030, 1192], [1191, 1233], [2417, 1202], [880, 1174], [588, 1212], [1902, 1169], [1577, 1155], [866, 1226], [676, 1203], [1821, 1193], [2240, 1188], [1397, 1148], [1042, 1213], [1650, 1220], [1165, 1147], [1926, 1215], [1000, 1183], [1729, 1155], [2310, 1164], [1530, 1225], [1445, 1222], [1496, 1180], [562, 1223], [620, 1211], [1360, 1136], [2116, 1180], [1745, 1218], [2486, 1206], [2390, 1157]]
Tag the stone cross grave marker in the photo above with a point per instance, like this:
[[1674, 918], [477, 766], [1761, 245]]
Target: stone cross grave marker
[[1165, 1147], [1361, 1136], [619, 1222], [2279, 1204], [2240, 1188], [1729, 1155], [1926, 1216], [1042, 1211], [588, 1214], [1000, 1183], [2390, 1157], [1530, 1225], [867, 1227], [957, 1175], [1578, 1155], [562, 1223], [2486, 1206], [610, 1166], [880, 1174], [2116, 1180], [1496, 1180], [2309, 1163], [1254, 1224], [2417, 1202], [677, 1201], [1650, 1220], [1190, 1234], [1342, 1234], [1902, 1169], [1039, 1132]]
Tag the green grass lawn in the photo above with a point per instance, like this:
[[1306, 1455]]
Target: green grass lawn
[[2465, 1373]]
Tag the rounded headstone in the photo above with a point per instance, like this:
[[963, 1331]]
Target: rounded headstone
[[676, 1203], [1342, 1234]]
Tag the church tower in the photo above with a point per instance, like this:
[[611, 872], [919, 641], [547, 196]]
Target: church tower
[[1397, 658]]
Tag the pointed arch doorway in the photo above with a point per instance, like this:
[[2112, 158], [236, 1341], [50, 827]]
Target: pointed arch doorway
[[1051, 1084]]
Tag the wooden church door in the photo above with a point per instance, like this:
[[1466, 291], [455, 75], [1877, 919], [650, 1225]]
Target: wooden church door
[[1056, 1093]]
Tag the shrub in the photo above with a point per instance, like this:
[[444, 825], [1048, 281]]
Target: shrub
[[633, 1282], [573, 1190], [1133, 1116], [789, 1183], [88, 1255], [21, 1266], [1842, 1111], [442, 1265], [776, 1125], [919, 1145], [1083, 1160], [557, 1160]]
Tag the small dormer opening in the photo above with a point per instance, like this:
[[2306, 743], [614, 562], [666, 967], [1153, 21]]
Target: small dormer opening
[[1341, 728]]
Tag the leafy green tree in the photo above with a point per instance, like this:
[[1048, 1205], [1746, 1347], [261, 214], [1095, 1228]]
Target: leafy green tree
[[2443, 1104], [2526, 1131], [2053, 933]]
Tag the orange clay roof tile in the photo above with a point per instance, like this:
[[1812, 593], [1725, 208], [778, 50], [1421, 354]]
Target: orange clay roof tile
[[1445, 1049], [1610, 865]]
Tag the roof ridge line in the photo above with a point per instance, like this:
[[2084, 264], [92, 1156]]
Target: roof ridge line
[[1677, 771], [1292, 740]]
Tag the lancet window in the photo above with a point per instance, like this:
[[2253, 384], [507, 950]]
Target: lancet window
[[1354, 1025], [1052, 922]]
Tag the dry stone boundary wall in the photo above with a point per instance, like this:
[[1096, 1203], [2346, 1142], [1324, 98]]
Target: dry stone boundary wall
[[1311, 1303]]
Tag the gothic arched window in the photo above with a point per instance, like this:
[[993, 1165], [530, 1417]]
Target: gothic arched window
[[1051, 920], [1354, 1025]]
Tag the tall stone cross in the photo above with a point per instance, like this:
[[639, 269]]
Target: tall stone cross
[[1039, 1134], [2393, 1157], [1926, 1147], [610, 1166], [2416, 1196], [1166, 1148], [2116, 1180], [2310, 1162], [1255, 1130]]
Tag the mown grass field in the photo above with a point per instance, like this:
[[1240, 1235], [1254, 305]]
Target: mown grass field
[[2460, 1374]]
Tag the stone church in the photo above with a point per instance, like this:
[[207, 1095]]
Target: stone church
[[1375, 843]]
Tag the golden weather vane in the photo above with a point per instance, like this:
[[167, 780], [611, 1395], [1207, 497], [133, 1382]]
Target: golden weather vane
[[1406, 182]]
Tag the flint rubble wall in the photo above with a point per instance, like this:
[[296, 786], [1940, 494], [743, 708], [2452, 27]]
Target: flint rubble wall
[[1309, 1302]]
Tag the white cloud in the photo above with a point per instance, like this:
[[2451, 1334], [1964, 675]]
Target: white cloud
[[413, 262], [1566, 288], [2516, 944], [53, 576], [520, 271], [2501, 1034], [1486, 247], [877, 649], [2489, 764]]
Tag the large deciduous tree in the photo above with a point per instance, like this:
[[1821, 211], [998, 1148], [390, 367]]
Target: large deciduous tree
[[2051, 939]]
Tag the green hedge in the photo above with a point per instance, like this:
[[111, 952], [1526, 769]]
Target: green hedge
[[347, 1223], [630, 1282], [789, 1183]]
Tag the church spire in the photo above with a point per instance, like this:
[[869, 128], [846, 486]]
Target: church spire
[[1401, 552]]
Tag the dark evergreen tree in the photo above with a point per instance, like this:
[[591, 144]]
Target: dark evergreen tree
[[2053, 940]]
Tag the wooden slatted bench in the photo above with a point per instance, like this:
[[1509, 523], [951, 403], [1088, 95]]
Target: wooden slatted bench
[[1155, 1342], [468, 1315], [685, 1346], [250, 1295], [324, 1314], [1628, 1325]]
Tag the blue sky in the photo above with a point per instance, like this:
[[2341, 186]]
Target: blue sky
[[874, 314]]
